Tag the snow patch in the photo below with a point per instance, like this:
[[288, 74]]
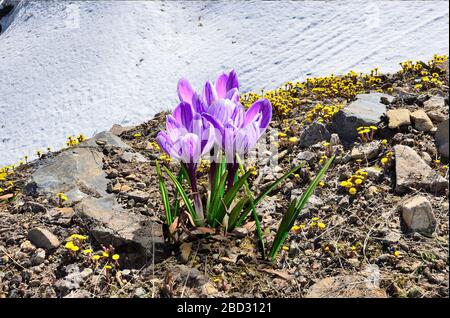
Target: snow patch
[[81, 66]]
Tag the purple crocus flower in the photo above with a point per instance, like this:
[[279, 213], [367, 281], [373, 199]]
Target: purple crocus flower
[[188, 137], [226, 86], [237, 130]]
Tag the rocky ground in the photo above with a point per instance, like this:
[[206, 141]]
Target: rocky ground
[[87, 221]]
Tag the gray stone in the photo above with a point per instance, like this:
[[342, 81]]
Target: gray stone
[[366, 151], [129, 156], [366, 110], [307, 156], [418, 215], [139, 196], [373, 172], [398, 117], [413, 173], [436, 116], [442, 138], [111, 224], [38, 257], [43, 238], [434, 103], [77, 172], [421, 120], [106, 139], [313, 134], [335, 140], [140, 292], [190, 276]]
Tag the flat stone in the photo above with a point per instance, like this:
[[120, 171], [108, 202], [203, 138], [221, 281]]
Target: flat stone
[[130, 233], [307, 156], [441, 137], [413, 173], [117, 129], [38, 257], [434, 103], [421, 120], [436, 116], [350, 286], [366, 151], [398, 117], [139, 196], [41, 237], [62, 216], [313, 134], [107, 139], [77, 172], [373, 172], [418, 215], [129, 156], [366, 110]]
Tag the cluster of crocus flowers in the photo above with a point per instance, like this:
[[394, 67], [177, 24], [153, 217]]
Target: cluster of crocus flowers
[[213, 123]]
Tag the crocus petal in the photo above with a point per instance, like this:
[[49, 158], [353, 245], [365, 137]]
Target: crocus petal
[[209, 93], [185, 91], [232, 81], [189, 148], [184, 113], [222, 110], [198, 104], [221, 85], [165, 143], [174, 128], [246, 138], [261, 111], [233, 95], [208, 139]]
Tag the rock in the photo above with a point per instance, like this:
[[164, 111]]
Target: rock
[[441, 137], [139, 196], [426, 157], [111, 224], [191, 276], [373, 172], [129, 156], [398, 117], [350, 286], [38, 257], [434, 103], [313, 134], [77, 172], [61, 216], [407, 97], [418, 215], [371, 192], [73, 280], [366, 151], [307, 156], [421, 120], [36, 207], [436, 116], [118, 129], [413, 173], [43, 238], [107, 139], [335, 140], [366, 110], [140, 292], [208, 289], [27, 246], [294, 249], [186, 249]]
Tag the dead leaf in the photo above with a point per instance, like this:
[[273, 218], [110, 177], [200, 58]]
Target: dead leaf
[[282, 274], [174, 226], [6, 196], [250, 226], [202, 230]]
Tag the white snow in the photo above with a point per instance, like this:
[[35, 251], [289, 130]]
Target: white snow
[[81, 66]]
